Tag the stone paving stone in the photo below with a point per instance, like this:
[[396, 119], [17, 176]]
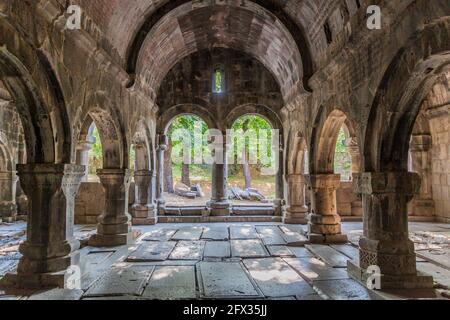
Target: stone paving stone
[[126, 280], [217, 249], [94, 258], [171, 283], [216, 233], [163, 234], [332, 257], [289, 228], [440, 275], [152, 251], [313, 269], [300, 252], [270, 235], [226, 280], [243, 232], [347, 249], [117, 298], [345, 289], [280, 251], [440, 257], [248, 249], [188, 250], [293, 236], [58, 294], [188, 233], [276, 278]]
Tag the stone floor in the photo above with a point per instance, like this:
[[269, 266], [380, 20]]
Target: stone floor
[[231, 261]]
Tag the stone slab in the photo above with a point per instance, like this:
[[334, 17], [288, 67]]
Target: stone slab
[[188, 250], [216, 233], [349, 250], [270, 235], [300, 252], [216, 282], [276, 278], [163, 234], [293, 235], [313, 269], [345, 289], [58, 295], [188, 234], [331, 256], [287, 228], [280, 251], [439, 274], [243, 233], [248, 249], [171, 283], [152, 251], [441, 257], [217, 249], [127, 280]]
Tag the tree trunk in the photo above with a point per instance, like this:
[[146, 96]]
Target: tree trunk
[[185, 175], [168, 173], [246, 171]]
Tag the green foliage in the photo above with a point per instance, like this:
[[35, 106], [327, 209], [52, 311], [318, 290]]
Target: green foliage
[[342, 159], [95, 154]]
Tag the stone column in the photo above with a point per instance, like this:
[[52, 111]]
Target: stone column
[[423, 203], [296, 211], [8, 205], [385, 243], [83, 149], [144, 208], [163, 143], [324, 223], [114, 225], [50, 247], [219, 205], [279, 202], [353, 150]]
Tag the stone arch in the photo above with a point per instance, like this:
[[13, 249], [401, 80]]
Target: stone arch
[[144, 152], [407, 81], [100, 110], [6, 161], [296, 158], [324, 138], [35, 89], [254, 109], [199, 110]]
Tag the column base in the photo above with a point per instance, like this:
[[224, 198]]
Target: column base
[[316, 238], [111, 240], [220, 208], [417, 281], [144, 215], [296, 215], [144, 221], [325, 229]]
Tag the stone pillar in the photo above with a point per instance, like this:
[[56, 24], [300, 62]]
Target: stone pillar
[[279, 202], [324, 223], [353, 150], [144, 208], [83, 149], [114, 225], [163, 143], [296, 211], [219, 205], [386, 242], [50, 247], [8, 205], [423, 203]]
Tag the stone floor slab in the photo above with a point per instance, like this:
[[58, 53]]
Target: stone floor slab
[[152, 251], [331, 256], [217, 282], [126, 280], [188, 250], [163, 234], [345, 289], [440, 257], [217, 249], [270, 235], [347, 249], [439, 274], [216, 233], [280, 251], [243, 232], [276, 278], [188, 234], [300, 252], [58, 294], [171, 283], [248, 249], [313, 269], [293, 235]]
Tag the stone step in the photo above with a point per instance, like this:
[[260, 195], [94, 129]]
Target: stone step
[[207, 219], [253, 211]]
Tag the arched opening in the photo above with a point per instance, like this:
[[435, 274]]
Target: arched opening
[[252, 168], [187, 175]]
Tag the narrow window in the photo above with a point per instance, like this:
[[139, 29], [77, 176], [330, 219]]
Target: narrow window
[[218, 80]]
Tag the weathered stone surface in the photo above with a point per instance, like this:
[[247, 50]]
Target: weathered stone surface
[[345, 289], [58, 294], [217, 283], [280, 251], [188, 233], [440, 275], [329, 255], [315, 270], [276, 278], [243, 232], [247, 249], [216, 233], [270, 235], [301, 252], [217, 249], [188, 250], [152, 251], [349, 250], [171, 283], [159, 234]]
